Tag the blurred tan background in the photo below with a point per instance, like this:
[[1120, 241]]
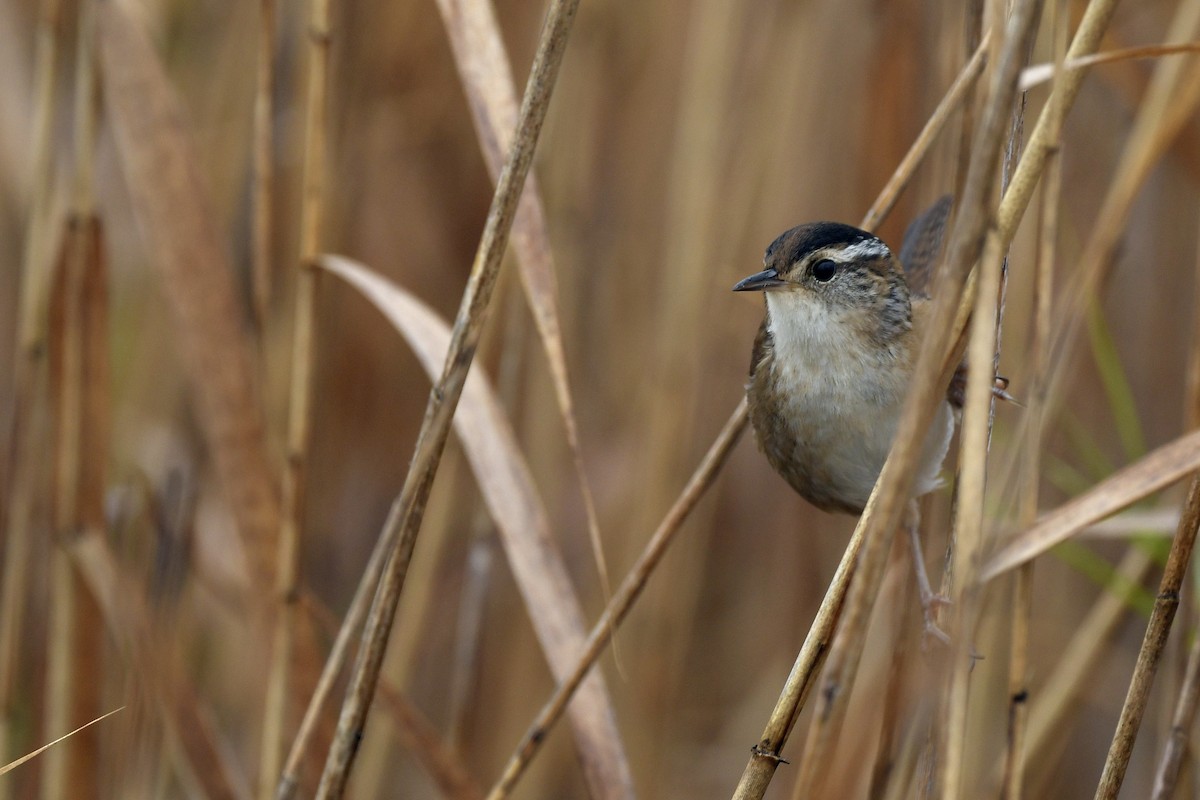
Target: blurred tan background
[[682, 138]]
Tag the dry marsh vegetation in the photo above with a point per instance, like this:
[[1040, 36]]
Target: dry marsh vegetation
[[244, 241]]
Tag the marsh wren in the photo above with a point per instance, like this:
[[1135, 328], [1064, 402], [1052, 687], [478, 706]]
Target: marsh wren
[[834, 356]]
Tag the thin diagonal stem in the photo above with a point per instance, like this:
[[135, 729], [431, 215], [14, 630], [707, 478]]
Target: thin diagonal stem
[[443, 398], [622, 601], [1153, 644]]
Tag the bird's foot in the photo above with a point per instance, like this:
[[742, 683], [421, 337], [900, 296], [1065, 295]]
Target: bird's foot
[[930, 603], [933, 631]]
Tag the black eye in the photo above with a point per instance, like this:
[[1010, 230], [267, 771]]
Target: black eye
[[824, 270]]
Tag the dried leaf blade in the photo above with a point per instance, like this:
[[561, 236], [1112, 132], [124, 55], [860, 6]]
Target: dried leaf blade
[[1157, 470], [509, 492]]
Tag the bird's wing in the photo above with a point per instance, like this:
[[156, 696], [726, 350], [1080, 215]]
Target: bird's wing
[[763, 344], [923, 243]]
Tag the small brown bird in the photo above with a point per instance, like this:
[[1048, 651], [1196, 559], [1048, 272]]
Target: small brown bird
[[834, 356]]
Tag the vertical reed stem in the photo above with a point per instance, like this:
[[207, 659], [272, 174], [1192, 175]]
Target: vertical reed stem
[[443, 399], [28, 420], [303, 338]]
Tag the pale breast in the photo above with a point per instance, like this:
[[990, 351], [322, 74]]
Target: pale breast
[[825, 412]]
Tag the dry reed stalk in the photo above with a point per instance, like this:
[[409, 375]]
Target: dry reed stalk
[[506, 484], [439, 759], [124, 614], [94, 443], [170, 204], [966, 539], [469, 625], [892, 492], [67, 634], [969, 518], [65, 344], [801, 680], [891, 722], [1188, 700], [1166, 777], [79, 391], [310, 649], [480, 558], [974, 30], [289, 780], [829, 715], [1153, 472], [1043, 293], [981, 16], [78, 367], [86, 113], [1048, 130], [486, 74], [1040, 73], [766, 754], [88, 356], [39, 233], [1192, 386], [1022, 612], [10, 766], [1051, 704], [264, 165], [631, 588], [1170, 92], [27, 420], [200, 758], [1042, 143], [444, 398], [899, 785], [1159, 627], [299, 411], [419, 736], [937, 120], [623, 599], [1095, 19], [1170, 98]]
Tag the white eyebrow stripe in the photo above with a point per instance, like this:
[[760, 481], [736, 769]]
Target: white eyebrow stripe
[[867, 248]]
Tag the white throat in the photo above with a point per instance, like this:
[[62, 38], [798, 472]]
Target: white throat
[[805, 330]]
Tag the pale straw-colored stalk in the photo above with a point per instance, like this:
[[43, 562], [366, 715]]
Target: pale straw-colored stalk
[[27, 418], [1022, 610], [297, 433], [71, 679], [892, 493], [631, 588], [1153, 644], [1187, 702], [443, 399]]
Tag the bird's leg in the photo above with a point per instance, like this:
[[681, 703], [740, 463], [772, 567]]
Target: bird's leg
[[929, 600]]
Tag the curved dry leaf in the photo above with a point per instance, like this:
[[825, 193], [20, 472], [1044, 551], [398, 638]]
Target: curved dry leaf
[[487, 79], [513, 501], [1155, 471], [169, 197]]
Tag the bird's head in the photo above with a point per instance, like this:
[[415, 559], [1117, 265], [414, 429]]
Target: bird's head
[[831, 270]]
